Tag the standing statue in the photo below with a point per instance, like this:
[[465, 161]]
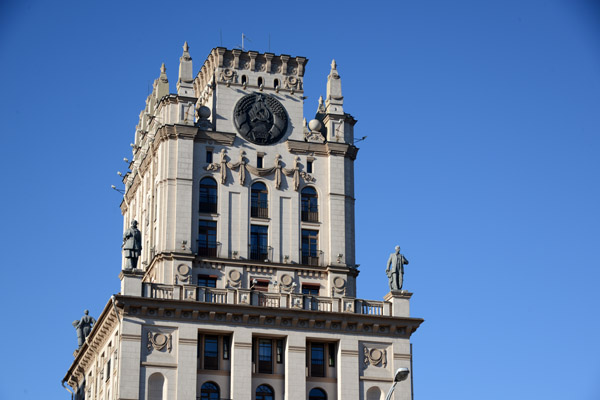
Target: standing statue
[[395, 269], [132, 244], [83, 327]]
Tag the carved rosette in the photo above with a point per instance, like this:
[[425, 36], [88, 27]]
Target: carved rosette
[[374, 356], [159, 341]]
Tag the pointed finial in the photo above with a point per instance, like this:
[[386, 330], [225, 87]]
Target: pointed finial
[[321, 100], [333, 64], [304, 121], [186, 48], [163, 69]]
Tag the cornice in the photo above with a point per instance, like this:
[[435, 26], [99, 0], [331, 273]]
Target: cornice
[[322, 149], [101, 331], [279, 318]]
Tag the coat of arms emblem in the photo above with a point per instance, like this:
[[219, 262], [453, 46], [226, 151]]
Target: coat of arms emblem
[[260, 118]]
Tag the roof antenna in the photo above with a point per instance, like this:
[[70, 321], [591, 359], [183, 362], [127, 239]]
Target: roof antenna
[[244, 37]]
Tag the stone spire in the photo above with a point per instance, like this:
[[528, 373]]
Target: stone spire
[[185, 83], [161, 85], [335, 101]]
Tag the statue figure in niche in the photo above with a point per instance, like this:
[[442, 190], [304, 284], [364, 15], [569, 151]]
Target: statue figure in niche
[[395, 269], [132, 245]]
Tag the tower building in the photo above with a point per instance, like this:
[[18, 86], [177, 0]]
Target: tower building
[[245, 283]]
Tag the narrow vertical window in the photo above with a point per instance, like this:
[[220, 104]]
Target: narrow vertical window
[[207, 238], [309, 203], [317, 359], [279, 351], [265, 356], [211, 352], [259, 242], [225, 347], [309, 167], [259, 201], [310, 245], [208, 196], [260, 81], [259, 161], [332, 353], [209, 156]]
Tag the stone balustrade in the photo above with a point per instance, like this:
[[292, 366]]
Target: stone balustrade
[[394, 305]]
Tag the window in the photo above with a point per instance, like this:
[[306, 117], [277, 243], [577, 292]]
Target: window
[[259, 239], [259, 202], [310, 244], [311, 290], [225, 347], [260, 83], [260, 284], [211, 352], [309, 166], [209, 156], [265, 356], [208, 195], [310, 204], [317, 359], [264, 392], [332, 354], [279, 351], [317, 394], [207, 281], [207, 238], [210, 391], [259, 161], [276, 83], [244, 79], [208, 351], [108, 370]]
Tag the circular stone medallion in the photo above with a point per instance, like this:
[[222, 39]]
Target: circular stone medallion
[[260, 118]]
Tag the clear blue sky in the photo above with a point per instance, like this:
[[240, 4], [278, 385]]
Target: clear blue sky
[[481, 161]]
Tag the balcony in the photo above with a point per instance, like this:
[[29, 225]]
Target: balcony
[[248, 297]]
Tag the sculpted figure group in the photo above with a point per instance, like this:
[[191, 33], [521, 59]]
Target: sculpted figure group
[[83, 327]]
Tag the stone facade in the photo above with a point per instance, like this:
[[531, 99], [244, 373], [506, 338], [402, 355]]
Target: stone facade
[[246, 287]]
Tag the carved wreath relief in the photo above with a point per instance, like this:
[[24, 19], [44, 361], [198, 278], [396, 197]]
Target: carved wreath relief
[[375, 357], [158, 341], [260, 118]]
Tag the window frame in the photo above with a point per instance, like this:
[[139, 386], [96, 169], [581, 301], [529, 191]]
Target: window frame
[[207, 240], [208, 195]]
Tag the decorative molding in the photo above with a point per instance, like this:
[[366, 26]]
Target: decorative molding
[[158, 341], [374, 356]]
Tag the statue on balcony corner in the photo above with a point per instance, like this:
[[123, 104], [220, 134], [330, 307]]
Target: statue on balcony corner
[[395, 269], [83, 327], [132, 245]]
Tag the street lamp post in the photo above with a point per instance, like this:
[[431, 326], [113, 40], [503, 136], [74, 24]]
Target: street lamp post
[[401, 375]]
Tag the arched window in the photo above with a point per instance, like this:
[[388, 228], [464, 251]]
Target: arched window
[[310, 204], [208, 195], [276, 83], [260, 81], [259, 206], [210, 391], [317, 394], [157, 387], [264, 392], [374, 393]]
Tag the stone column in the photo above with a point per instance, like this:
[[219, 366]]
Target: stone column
[[399, 300]]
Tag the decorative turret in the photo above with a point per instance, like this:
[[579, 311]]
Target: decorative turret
[[185, 85]]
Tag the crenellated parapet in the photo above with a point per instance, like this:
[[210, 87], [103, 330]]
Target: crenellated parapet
[[249, 69]]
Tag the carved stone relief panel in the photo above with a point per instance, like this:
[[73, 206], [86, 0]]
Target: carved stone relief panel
[[375, 359], [159, 341], [183, 274], [234, 278]]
